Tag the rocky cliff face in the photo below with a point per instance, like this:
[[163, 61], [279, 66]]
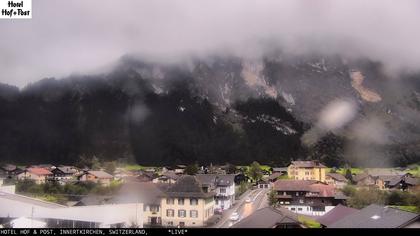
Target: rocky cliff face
[[218, 109]]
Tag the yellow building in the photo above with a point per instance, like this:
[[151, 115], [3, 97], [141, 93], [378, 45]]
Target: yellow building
[[307, 170], [185, 204]]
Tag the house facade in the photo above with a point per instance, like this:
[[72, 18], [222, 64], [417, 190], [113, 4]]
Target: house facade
[[168, 177], [307, 170], [63, 174], [335, 179], [222, 185], [100, 177], [185, 204], [37, 174], [307, 197]]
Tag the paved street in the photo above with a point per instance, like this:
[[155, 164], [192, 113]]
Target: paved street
[[259, 200]]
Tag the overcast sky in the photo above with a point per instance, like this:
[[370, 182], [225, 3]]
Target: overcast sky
[[79, 36]]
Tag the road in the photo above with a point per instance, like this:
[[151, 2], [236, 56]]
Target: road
[[259, 200]]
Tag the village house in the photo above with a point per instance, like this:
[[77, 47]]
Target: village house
[[49, 167], [223, 186], [404, 182], [274, 176], [335, 179], [63, 174], [168, 177], [281, 170], [185, 204], [364, 180], [96, 176], [145, 176], [147, 193], [264, 183], [307, 197], [269, 217], [307, 170], [37, 174], [10, 171], [375, 216]]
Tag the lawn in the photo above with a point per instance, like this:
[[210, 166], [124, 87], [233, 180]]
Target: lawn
[[415, 170], [308, 222], [134, 167], [413, 209]]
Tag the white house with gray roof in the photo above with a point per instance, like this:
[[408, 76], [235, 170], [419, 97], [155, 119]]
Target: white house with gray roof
[[223, 186]]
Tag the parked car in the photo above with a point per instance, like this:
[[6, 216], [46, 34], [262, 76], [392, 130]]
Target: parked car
[[234, 216]]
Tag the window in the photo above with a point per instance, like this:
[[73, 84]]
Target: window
[[193, 201], [180, 201], [170, 223], [182, 213], [170, 201], [217, 201], [299, 209], [194, 214], [300, 200], [292, 209], [170, 213], [222, 190], [154, 208]]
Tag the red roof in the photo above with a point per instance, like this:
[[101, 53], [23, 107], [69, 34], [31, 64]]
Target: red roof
[[39, 171], [293, 185], [323, 190]]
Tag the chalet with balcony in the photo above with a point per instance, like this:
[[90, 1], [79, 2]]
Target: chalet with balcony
[[307, 197]]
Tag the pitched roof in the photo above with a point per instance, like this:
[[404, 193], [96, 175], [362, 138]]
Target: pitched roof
[[8, 167], [171, 175], [280, 169], [274, 176], [66, 169], [322, 190], [375, 216], [100, 174], [268, 217], [337, 176], [215, 179], [387, 171], [143, 192], [360, 177], [335, 214], [307, 164], [293, 185], [412, 181], [39, 171], [187, 186]]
